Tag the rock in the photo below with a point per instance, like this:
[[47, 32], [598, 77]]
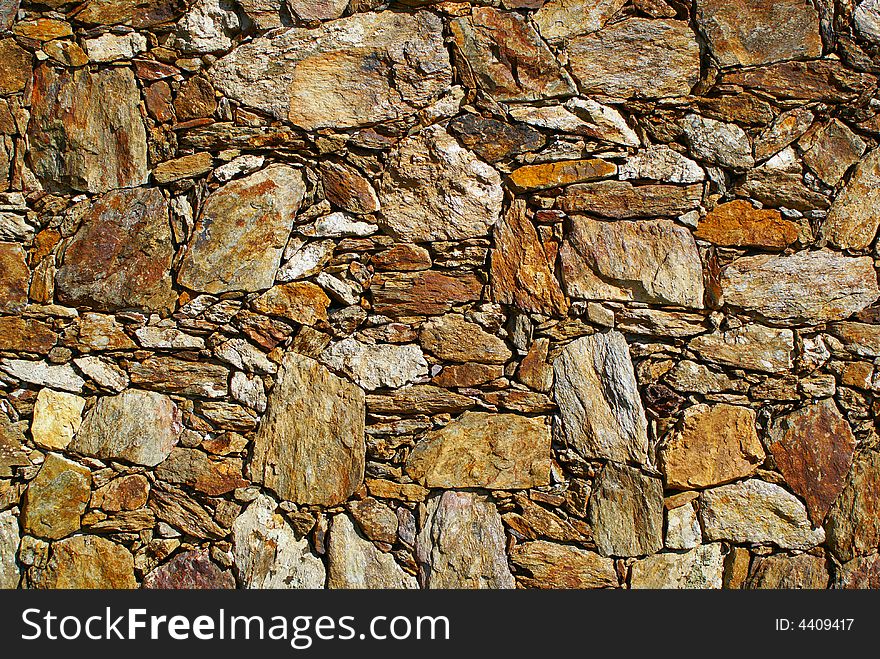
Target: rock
[[461, 544], [749, 32], [621, 199], [485, 450], [561, 19], [784, 130], [718, 143], [191, 570], [813, 448], [120, 257], [701, 567], [860, 339], [301, 302], [377, 366], [452, 338], [831, 150], [866, 19], [422, 398], [207, 27], [195, 469], [307, 453], [97, 332], [403, 257], [244, 356], [754, 347], [12, 449], [43, 374], [433, 189], [167, 338], [242, 231], [775, 187], [180, 510], [246, 164], [551, 565], [176, 376], [354, 562], [42, 29], [306, 260], [853, 219], [190, 166], [14, 277], [138, 426], [25, 335], [852, 525], [530, 178], [57, 418], [347, 188], [77, 140], [780, 571], [375, 520], [534, 371], [636, 57], [360, 70], [816, 80], [600, 410], [8, 12], [56, 499], [626, 512], [317, 10], [15, 67], [495, 140], [739, 224], [400, 491], [429, 292], [683, 527], [268, 553], [714, 445], [807, 287], [338, 225], [756, 512], [340, 290], [859, 573], [652, 261], [654, 322], [85, 562], [10, 538], [195, 99], [112, 47], [508, 58], [123, 493], [660, 163]]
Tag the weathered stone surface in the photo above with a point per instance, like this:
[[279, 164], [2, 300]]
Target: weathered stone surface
[[25, 335], [853, 524], [853, 219], [682, 527], [97, 332], [348, 189], [195, 99], [718, 143], [57, 418], [495, 140], [43, 374], [85, 562], [754, 347], [626, 512], [636, 57], [138, 426], [268, 554], [453, 338], [56, 499], [317, 10], [701, 567], [461, 544], [354, 562], [558, 174], [189, 166], [359, 70], [862, 572], [77, 139], [433, 189], [429, 292], [180, 510], [806, 287], [813, 448], [866, 19], [306, 260], [739, 224], [654, 322], [12, 449], [647, 261], [207, 27], [242, 231], [478, 449], [422, 397], [830, 150], [714, 445], [660, 163], [112, 47], [560, 19], [308, 453], [817, 80], [551, 565], [600, 410], [756, 512], [377, 366], [14, 277], [301, 302], [780, 571], [621, 199], [15, 67], [123, 493], [176, 376], [195, 469], [167, 338], [188, 571], [10, 537], [784, 130], [749, 32], [375, 520], [861, 339]]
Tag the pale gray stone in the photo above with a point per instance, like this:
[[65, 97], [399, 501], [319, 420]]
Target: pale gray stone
[[660, 163], [754, 347], [10, 537], [683, 527], [701, 567], [207, 27], [377, 366], [718, 143], [355, 562], [43, 374]]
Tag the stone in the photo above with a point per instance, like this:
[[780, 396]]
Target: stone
[[508, 58], [85, 562], [813, 448], [339, 225], [56, 499], [138, 426], [95, 332], [42, 29], [622, 199], [355, 562], [561, 19], [15, 67], [10, 538], [429, 292], [600, 411], [461, 544], [123, 493], [530, 178], [8, 12], [246, 164], [195, 99], [193, 468], [176, 376], [714, 445], [347, 188], [551, 565], [57, 418], [377, 366], [852, 525], [754, 347], [191, 166], [655, 322], [241, 232], [14, 277], [636, 57], [784, 130], [852, 221], [307, 453], [486, 450], [750, 32], [402, 257], [167, 338], [360, 70], [862, 572], [701, 567], [190, 570], [433, 189], [317, 10], [739, 224], [683, 527], [12, 449], [180, 510], [112, 47], [830, 150], [718, 143], [301, 302], [207, 27], [756, 512], [452, 338], [120, 257], [860, 339], [268, 553], [652, 261], [422, 398], [495, 140], [43, 374], [306, 260], [805, 288], [79, 141], [815, 80], [534, 371], [660, 163], [779, 571], [25, 335], [626, 512], [866, 19]]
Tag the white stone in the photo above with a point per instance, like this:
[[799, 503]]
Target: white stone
[[244, 356], [683, 527], [43, 374], [719, 143], [660, 163], [306, 260], [249, 391], [167, 338], [207, 27], [338, 225], [701, 567], [105, 374], [376, 366], [867, 20], [338, 289], [111, 47], [246, 164], [9, 541], [605, 122]]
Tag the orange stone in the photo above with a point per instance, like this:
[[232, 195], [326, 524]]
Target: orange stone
[[739, 224], [557, 174]]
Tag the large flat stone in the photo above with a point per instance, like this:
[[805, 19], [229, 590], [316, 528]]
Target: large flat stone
[[854, 217], [754, 347], [355, 562], [701, 567], [852, 525], [56, 499], [85, 562], [551, 565]]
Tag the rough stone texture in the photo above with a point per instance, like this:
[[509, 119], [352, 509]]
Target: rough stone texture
[[354, 562], [753, 346], [718, 143], [853, 525], [14, 277], [377, 366], [10, 537], [85, 562], [739, 224], [622, 200], [700, 567], [188, 571], [452, 338], [551, 565], [56, 499], [195, 469], [57, 418], [560, 19], [802, 571], [15, 67], [853, 219]]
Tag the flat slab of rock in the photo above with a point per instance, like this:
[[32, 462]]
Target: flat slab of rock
[[854, 217], [853, 525], [455, 339], [242, 231], [622, 199], [551, 565], [177, 376], [429, 292], [376, 366], [182, 511], [310, 453], [26, 335], [14, 277], [817, 80], [56, 499], [191, 570], [560, 19], [803, 572], [739, 224], [195, 469], [300, 301], [753, 347], [420, 397], [57, 418], [44, 374], [701, 567], [85, 562], [355, 562]]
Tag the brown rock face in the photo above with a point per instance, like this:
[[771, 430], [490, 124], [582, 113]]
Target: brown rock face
[[453, 338], [853, 219], [190, 570], [15, 67], [550, 565], [853, 524], [195, 99], [815, 80], [299, 301], [790, 572], [495, 140], [14, 277], [195, 469], [622, 200], [830, 150], [26, 335], [557, 174], [739, 224], [56, 499], [422, 293], [86, 562], [348, 189], [121, 255], [80, 140]]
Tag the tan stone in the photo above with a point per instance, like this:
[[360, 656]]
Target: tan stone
[[14, 277], [853, 525], [189, 166], [15, 67], [428, 292], [86, 562], [56, 499], [622, 199], [301, 302], [551, 565], [26, 335], [780, 571], [830, 150], [754, 347], [123, 493], [195, 469], [855, 215], [739, 224], [467, 375], [57, 418], [42, 29], [452, 338]]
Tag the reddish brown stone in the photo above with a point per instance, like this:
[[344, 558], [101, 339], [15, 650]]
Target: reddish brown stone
[[422, 293], [534, 370], [377, 521], [418, 398], [26, 335], [158, 101], [347, 188], [739, 224], [780, 571], [853, 524], [14, 277], [467, 375], [495, 140], [191, 570], [195, 469], [15, 67], [816, 80], [862, 572], [621, 199], [195, 99], [123, 493], [404, 257], [148, 69], [300, 301], [527, 402]]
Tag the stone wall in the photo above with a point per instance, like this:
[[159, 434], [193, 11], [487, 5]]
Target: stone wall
[[523, 293]]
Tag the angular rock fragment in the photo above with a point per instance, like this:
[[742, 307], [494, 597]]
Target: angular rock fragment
[[739, 224], [354, 562], [25, 335], [429, 292], [859, 573], [831, 150], [495, 140], [815, 80], [621, 199], [530, 178], [176, 376], [180, 510], [660, 163], [784, 130], [551, 565], [377, 366], [754, 347], [85, 562], [207, 27], [14, 277], [189, 571], [12, 449], [10, 538], [57, 418], [123, 493], [189, 166], [195, 469], [15, 67], [56, 499], [348, 189], [421, 397], [853, 219], [317, 10], [453, 338], [43, 374], [718, 143], [780, 571], [701, 567], [852, 525], [654, 322], [560, 19]]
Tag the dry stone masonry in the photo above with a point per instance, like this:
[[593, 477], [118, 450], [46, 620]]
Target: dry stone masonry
[[439, 294]]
